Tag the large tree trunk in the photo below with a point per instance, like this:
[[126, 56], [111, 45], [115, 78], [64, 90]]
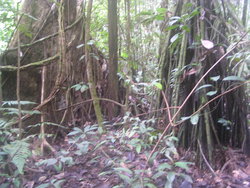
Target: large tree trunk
[[113, 57], [182, 66], [41, 39]]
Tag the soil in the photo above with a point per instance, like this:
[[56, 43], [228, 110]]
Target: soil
[[101, 162]]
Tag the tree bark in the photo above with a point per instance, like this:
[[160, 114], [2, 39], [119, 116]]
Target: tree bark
[[244, 14], [89, 63], [113, 57]]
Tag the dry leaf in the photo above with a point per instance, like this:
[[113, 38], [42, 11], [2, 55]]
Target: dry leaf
[[207, 44]]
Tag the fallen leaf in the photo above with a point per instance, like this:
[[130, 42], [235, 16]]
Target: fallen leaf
[[59, 176], [42, 178], [207, 44]]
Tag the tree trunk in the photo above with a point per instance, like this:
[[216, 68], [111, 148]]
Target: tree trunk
[[113, 57], [182, 67], [89, 63], [244, 14], [55, 42]]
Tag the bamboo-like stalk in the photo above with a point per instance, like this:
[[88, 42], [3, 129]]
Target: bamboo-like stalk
[[89, 63]]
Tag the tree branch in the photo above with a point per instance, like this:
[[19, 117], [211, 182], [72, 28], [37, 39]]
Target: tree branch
[[31, 65]]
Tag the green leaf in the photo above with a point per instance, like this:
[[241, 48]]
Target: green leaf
[[211, 93], [125, 178], [138, 148], [168, 185], [123, 170], [51, 161], [161, 10], [186, 177], [215, 78], [234, 78], [194, 119], [185, 118], [150, 185], [170, 177], [182, 164], [185, 28], [159, 17], [158, 85], [171, 27], [66, 160], [203, 86], [124, 55], [84, 88], [164, 166], [99, 144], [45, 185], [58, 183], [174, 38], [146, 13], [158, 174], [152, 158], [224, 122], [19, 151]]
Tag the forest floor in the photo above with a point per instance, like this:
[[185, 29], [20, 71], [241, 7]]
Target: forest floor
[[86, 160]]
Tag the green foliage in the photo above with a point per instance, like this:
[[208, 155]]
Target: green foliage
[[17, 151], [55, 183], [226, 123], [148, 17], [7, 21], [13, 152], [80, 87], [139, 138], [59, 162], [234, 78], [78, 138]]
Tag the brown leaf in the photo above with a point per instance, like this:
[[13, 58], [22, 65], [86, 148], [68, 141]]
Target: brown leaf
[[42, 178]]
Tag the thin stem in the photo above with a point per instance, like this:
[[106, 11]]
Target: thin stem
[[18, 81]]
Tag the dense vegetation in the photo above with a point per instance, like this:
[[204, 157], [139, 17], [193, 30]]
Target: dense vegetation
[[140, 93]]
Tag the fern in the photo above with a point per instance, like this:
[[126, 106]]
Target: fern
[[18, 152]]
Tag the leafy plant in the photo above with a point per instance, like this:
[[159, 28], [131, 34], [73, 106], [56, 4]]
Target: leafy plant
[[80, 87], [13, 152], [7, 18], [139, 138]]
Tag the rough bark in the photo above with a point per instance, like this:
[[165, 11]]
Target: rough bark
[[113, 57], [40, 47], [179, 57], [89, 62]]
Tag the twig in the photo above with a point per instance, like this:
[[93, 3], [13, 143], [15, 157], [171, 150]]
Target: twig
[[18, 82], [225, 165], [204, 157], [168, 108], [90, 100]]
